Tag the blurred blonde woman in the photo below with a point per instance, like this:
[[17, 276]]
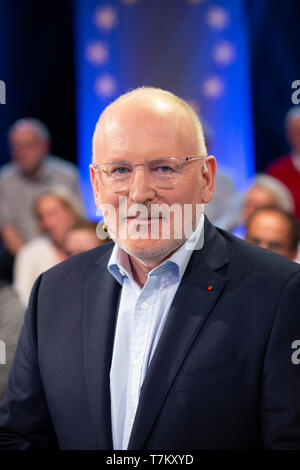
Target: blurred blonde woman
[[56, 211]]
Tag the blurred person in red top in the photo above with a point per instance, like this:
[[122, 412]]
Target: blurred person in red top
[[287, 167]]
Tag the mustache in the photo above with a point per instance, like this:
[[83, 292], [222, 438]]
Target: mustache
[[142, 211]]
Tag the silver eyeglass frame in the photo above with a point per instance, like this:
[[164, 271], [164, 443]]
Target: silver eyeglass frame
[[181, 160]]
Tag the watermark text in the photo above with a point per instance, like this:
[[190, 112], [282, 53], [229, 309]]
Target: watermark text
[[2, 92], [296, 94], [2, 352], [296, 354], [152, 221]]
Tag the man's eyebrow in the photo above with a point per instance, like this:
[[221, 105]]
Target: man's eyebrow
[[117, 159]]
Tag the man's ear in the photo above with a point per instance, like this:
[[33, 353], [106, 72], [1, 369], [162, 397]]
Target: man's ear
[[209, 169], [95, 184]]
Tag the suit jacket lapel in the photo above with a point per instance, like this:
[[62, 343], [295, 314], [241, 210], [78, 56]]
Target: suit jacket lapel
[[101, 301], [192, 304]]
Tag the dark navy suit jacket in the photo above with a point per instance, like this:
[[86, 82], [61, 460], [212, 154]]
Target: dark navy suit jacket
[[222, 375]]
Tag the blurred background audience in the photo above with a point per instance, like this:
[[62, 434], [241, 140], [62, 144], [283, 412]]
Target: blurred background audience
[[265, 191], [55, 211], [31, 170], [223, 209], [83, 236], [11, 321], [275, 230], [287, 167]]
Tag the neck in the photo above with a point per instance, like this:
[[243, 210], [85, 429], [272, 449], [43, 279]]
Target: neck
[[34, 172], [60, 253], [140, 271]]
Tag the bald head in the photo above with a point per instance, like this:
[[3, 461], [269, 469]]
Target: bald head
[[132, 107]]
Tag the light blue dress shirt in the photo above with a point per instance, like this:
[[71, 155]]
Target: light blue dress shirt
[[141, 317]]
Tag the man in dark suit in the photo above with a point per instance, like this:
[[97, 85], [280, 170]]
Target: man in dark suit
[[185, 341]]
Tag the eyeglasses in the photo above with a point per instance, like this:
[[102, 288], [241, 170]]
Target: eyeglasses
[[163, 172]]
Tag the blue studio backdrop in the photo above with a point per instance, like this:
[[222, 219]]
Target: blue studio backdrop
[[197, 49]]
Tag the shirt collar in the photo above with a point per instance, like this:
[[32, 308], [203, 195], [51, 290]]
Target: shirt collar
[[119, 264]]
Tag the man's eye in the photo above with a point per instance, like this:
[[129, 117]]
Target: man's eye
[[163, 169], [120, 171]]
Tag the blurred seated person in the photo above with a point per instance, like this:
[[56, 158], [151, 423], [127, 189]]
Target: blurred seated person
[[56, 212], [83, 236], [275, 230], [11, 321], [31, 171], [265, 191], [287, 167], [222, 209]]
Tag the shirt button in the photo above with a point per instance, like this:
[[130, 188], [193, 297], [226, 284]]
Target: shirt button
[[130, 420], [136, 361], [144, 305]]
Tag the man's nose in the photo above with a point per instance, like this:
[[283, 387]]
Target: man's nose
[[141, 188]]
